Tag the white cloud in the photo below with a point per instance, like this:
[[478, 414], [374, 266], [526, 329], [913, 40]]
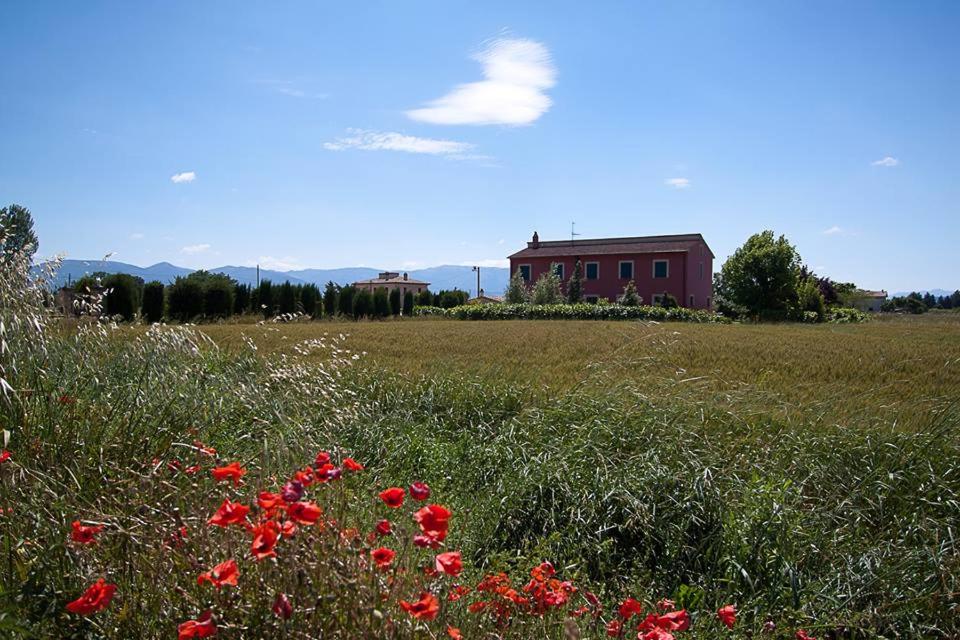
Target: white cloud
[[517, 73], [886, 161], [678, 183], [193, 249], [833, 231], [285, 263], [380, 141], [186, 176], [137, 236], [488, 262]]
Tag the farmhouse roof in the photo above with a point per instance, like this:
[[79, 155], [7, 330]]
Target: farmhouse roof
[[391, 277], [604, 246], [874, 294]]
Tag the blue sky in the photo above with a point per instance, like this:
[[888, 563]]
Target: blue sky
[[308, 134]]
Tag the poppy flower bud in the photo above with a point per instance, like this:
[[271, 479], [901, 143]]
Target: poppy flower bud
[[419, 491], [282, 607], [292, 491]]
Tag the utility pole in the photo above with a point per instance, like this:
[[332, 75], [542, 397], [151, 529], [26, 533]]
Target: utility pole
[[572, 232], [258, 276], [477, 269]]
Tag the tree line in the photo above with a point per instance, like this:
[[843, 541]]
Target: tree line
[[922, 302], [214, 296]]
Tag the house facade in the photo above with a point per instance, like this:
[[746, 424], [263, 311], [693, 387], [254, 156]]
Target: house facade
[[681, 265], [870, 300], [391, 280]]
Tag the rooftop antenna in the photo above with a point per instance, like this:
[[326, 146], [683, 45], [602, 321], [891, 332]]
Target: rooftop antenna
[[573, 232]]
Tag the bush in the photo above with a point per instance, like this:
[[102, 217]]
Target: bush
[[547, 289], [630, 297], [846, 315], [582, 311], [152, 306]]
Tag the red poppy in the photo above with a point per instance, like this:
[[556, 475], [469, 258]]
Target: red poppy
[[802, 635], [289, 529], [384, 528], [629, 608], [270, 502], [434, 520], [202, 627], [282, 607], [614, 627], [352, 465], [419, 491], [454, 633], [205, 450], [304, 476], [592, 599], [223, 573], [322, 458], [449, 563], [232, 471], [192, 469], [392, 497], [4, 456], [383, 557], [304, 512], [728, 615], [265, 536], [96, 598], [655, 634], [229, 513], [426, 608], [457, 592], [84, 534], [423, 542], [666, 604], [674, 621], [328, 472]]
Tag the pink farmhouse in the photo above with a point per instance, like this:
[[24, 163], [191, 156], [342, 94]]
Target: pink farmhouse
[[681, 265]]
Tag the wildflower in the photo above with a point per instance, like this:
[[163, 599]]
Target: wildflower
[[423, 542], [544, 571], [192, 469], [229, 513], [614, 628], [270, 502], [426, 608], [383, 557], [322, 458], [96, 598], [232, 471], [674, 621], [728, 615], [289, 529], [449, 563], [457, 592], [419, 491], [84, 534], [328, 472], [352, 465], [629, 608], [223, 573], [292, 491], [265, 536], [4, 456], [454, 633], [802, 635], [769, 626], [202, 627], [304, 476], [282, 607], [655, 634], [434, 521], [392, 497], [666, 604], [592, 599], [384, 528], [304, 512], [205, 450]]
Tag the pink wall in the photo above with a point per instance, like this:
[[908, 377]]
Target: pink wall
[[683, 276]]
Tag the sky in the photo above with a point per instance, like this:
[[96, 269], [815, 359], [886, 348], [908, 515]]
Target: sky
[[413, 134]]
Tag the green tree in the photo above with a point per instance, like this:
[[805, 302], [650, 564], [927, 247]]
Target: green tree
[[265, 298], [241, 299], [452, 298], [287, 298], [124, 293], [16, 227], [185, 299], [630, 297], [575, 284], [381, 303], [810, 300], [408, 304], [362, 304], [396, 302], [151, 308], [310, 300], [330, 294], [345, 300], [516, 292], [762, 275], [425, 298], [218, 297], [547, 289]]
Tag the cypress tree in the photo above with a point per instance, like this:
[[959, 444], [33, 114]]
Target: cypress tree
[[152, 306], [362, 304], [395, 302], [330, 294], [575, 285], [345, 300], [381, 303], [408, 304]]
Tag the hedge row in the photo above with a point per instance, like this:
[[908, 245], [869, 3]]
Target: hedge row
[[569, 312]]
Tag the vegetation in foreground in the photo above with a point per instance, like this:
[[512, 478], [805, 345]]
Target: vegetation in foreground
[[836, 531]]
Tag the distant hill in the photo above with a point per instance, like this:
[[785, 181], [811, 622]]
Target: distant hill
[[494, 279], [934, 292]]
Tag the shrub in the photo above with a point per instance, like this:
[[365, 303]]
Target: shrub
[[547, 289], [630, 297], [582, 311]]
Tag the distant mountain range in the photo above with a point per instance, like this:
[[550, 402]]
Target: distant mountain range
[[934, 292], [493, 279]]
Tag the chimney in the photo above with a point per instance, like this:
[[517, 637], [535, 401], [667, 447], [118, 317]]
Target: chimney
[[405, 275], [535, 244]]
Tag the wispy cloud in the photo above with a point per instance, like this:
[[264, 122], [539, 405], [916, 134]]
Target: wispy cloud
[[833, 231], [517, 74], [887, 161], [286, 263], [193, 249], [678, 183], [185, 176], [391, 141]]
